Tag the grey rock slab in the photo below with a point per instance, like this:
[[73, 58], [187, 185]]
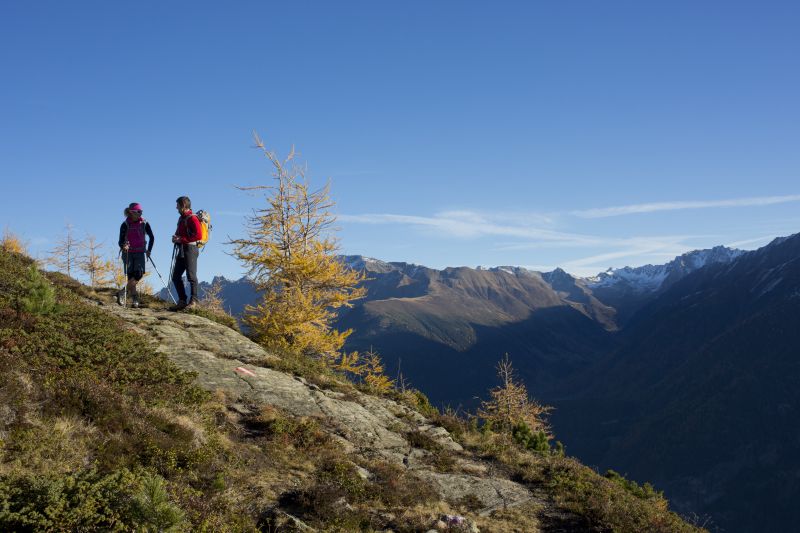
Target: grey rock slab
[[493, 493], [178, 330]]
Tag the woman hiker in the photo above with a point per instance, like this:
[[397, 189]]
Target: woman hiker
[[132, 234], [189, 231]]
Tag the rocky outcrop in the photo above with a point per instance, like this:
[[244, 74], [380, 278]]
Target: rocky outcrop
[[366, 425]]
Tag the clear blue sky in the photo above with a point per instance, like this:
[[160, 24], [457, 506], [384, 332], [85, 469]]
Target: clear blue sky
[[454, 133]]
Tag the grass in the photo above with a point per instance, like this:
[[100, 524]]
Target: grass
[[95, 418], [220, 317]]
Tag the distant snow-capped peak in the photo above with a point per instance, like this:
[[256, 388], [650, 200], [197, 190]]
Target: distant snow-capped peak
[[360, 262], [513, 270], [651, 277]]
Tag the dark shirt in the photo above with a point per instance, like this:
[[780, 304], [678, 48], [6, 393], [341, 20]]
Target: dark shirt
[[123, 232]]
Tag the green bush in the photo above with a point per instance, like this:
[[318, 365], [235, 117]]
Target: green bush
[[154, 507], [74, 502], [529, 440], [39, 296], [645, 492], [118, 501]]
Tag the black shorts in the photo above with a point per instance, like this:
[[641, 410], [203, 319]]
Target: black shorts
[[135, 263]]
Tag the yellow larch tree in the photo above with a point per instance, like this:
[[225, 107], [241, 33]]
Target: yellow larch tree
[[92, 263], [212, 299], [510, 405], [290, 255], [144, 286], [373, 372], [12, 243], [118, 276]]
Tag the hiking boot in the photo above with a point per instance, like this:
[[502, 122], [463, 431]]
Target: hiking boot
[[178, 306], [192, 304], [120, 295], [135, 303]]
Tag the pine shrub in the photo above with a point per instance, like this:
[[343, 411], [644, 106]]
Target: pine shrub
[[537, 442], [39, 295]]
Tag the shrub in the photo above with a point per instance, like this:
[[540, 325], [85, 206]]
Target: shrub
[[39, 296], [336, 483], [417, 401], [529, 440], [420, 440], [645, 492], [299, 432], [395, 486], [154, 508], [74, 502]]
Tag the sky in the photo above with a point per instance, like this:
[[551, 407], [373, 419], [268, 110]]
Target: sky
[[581, 135]]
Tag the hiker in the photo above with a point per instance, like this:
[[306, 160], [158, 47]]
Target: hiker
[[186, 239], [132, 234]]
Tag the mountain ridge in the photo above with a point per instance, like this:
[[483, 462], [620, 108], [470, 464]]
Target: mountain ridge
[[701, 395]]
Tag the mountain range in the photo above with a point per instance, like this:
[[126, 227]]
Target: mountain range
[[685, 374]]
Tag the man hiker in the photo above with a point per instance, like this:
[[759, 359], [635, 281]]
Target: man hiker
[[187, 235], [132, 234]]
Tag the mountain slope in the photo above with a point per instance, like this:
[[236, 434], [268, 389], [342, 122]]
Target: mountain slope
[[628, 289], [444, 305], [703, 396], [459, 322], [121, 419]]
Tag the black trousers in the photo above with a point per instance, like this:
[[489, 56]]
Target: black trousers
[[186, 261]]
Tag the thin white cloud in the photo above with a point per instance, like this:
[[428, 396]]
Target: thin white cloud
[[603, 212], [469, 224], [520, 232], [749, 242], [523, 233], [601, 260], [646, 243], [592, 265]]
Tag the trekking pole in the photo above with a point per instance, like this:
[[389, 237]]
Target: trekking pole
[[125, 282], [162, 280], [172, 266]]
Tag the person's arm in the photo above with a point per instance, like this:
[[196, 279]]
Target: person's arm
[[151, 239], [122, 234]]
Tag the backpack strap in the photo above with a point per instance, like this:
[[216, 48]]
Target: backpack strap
[[144, 229], [128, 225], [186, 224]]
